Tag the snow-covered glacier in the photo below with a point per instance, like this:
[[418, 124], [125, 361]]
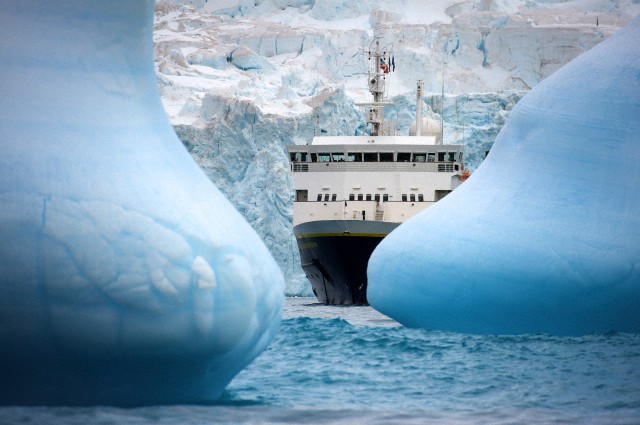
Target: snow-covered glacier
[[240, 80], [543, 238], [126, 277]]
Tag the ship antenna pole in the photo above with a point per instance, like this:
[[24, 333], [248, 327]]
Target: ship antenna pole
[[442, 105], [378, 69]]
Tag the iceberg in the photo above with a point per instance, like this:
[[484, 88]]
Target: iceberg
[[126, 277], [544, 236]]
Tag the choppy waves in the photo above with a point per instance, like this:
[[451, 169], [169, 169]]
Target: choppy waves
[[330, 363], [337, 365]]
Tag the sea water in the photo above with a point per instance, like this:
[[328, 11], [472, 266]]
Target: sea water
[[352, 365]]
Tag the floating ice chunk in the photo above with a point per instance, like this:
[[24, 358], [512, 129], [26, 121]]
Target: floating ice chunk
[[126, 277], [544, 236]]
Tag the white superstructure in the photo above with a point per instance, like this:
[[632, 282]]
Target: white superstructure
[[384, 178], [381, 176]]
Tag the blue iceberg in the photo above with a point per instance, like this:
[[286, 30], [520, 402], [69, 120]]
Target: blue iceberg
[[126, 277], [545, 235]]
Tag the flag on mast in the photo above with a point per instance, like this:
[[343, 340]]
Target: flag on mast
[[384, 66]]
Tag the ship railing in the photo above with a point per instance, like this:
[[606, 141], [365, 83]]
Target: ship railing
[[393, 211], [333, 210], [333, 167]]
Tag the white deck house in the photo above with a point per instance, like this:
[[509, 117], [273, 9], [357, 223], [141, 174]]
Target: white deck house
[[385, 178]]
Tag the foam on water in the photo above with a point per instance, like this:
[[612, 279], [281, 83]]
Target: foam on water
[[336, 365]]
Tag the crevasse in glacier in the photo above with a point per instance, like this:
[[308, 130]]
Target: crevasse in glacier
[[544, 236], [126, 277]]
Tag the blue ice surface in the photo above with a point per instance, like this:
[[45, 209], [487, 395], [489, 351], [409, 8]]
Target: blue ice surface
[[126, 277], [347, 366], [545, 235]]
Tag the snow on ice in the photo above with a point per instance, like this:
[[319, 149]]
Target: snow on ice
[[126, 277], [544, 235], [240, 80]]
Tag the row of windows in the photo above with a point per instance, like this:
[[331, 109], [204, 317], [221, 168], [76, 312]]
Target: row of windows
[[368, 197], [326, 197], [376, 156]]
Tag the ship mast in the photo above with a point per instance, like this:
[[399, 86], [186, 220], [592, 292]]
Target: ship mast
[[379, 68]]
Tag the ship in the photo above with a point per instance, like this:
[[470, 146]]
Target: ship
[[352, 191]]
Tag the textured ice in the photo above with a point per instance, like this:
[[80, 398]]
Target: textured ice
[[544, 237], [126, 277]]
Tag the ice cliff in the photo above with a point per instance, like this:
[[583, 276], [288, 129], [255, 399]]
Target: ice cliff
[[126, 277], [242, 79], [543, 238]]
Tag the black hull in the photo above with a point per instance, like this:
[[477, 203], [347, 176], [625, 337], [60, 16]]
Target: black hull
[[335, 254]]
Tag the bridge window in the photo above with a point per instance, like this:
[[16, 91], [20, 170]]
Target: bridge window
[[419, 157], [324, 157], [298, 156], [376, 197], [452, 157], [314, 157], [404, 197], [354, 156], [319, 197], [352, 197], [337, 157], [441, 156], [420, 197], [404, 156], [368, 196], [360, 197], [334, 197], [385, 198], [386, 156], [326, 197], [371, 157], [412, 197], [431, 157]]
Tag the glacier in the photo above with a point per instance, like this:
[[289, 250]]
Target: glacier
[[126, 276], [240, 80], [543, 238]]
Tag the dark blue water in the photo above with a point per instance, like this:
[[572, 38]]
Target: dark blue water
[[339, 365]]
